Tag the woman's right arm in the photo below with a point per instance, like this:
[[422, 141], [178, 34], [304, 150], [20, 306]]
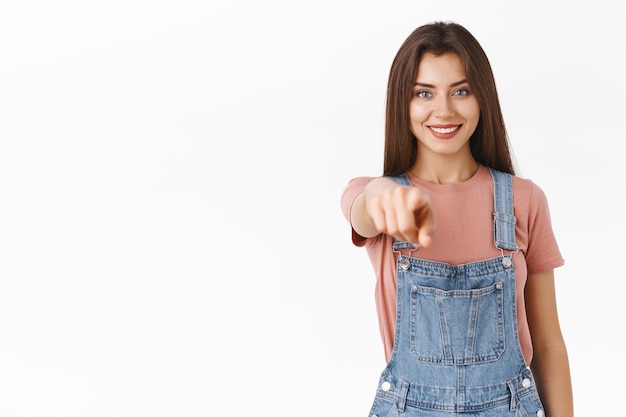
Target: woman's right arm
[[400, 211]]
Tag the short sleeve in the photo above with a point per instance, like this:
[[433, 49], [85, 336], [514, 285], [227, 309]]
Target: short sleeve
[[542, 253], [355, 187]]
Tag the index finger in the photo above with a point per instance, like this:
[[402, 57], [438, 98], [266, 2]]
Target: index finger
[[424, 220]]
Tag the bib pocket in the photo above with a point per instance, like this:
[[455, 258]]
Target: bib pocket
[[457, 327]]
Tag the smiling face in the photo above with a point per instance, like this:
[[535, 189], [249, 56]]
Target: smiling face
[[443, 110]]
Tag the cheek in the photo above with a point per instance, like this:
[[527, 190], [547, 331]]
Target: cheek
[[476, 110], [417, 114], [471, 112]]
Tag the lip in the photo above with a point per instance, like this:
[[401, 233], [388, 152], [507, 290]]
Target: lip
[[447, 131]]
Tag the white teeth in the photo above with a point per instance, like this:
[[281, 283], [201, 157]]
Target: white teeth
[[444, 130]]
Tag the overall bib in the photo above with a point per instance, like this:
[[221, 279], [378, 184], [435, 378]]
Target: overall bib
[[456, 348]]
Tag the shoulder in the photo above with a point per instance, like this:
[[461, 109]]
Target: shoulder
[[526, 192], [354, 187], [359, 181]]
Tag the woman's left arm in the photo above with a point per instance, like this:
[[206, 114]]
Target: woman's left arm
[[550, 363]]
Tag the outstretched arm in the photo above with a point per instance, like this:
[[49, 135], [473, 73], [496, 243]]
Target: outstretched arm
[[550, 363]]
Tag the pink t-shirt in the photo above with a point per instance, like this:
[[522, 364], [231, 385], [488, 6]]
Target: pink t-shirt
[[464, 233]]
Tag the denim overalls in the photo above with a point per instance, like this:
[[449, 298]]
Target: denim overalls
[[456, 348]]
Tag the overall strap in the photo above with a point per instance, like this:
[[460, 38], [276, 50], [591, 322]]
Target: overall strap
[[401, 179], [503, 217]]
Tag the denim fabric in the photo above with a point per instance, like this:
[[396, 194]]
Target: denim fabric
[[456, 347]]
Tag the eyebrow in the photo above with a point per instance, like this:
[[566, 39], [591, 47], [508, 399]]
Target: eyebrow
[[463, 81]]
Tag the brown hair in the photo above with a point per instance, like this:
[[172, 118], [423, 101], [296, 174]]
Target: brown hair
[[489, 143]]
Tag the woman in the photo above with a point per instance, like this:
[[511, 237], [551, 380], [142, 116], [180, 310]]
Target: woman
[[463, 250]]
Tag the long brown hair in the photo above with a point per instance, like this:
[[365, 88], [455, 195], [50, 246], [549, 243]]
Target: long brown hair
[[489, 143]]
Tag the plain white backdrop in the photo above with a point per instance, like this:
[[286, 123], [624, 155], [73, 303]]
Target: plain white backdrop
[[171, 242]]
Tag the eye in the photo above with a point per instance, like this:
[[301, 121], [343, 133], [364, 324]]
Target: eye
[[461, 92], [423, 94]]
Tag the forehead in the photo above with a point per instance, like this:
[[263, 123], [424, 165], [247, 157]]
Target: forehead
[[444, 67]]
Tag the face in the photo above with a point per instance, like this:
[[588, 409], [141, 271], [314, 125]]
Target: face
[[443, 111]]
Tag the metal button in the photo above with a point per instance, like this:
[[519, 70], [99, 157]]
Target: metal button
[[540, 413], [413, 287], [386, 386], [526, 383], [405, 264], [499, 285], [506, 262]]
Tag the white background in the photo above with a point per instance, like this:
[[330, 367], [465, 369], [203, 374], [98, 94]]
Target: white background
[[171, 242]]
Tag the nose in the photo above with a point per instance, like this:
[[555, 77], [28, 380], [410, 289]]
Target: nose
[[443, 108]]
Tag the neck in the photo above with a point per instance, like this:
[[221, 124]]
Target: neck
[[444, 170]]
